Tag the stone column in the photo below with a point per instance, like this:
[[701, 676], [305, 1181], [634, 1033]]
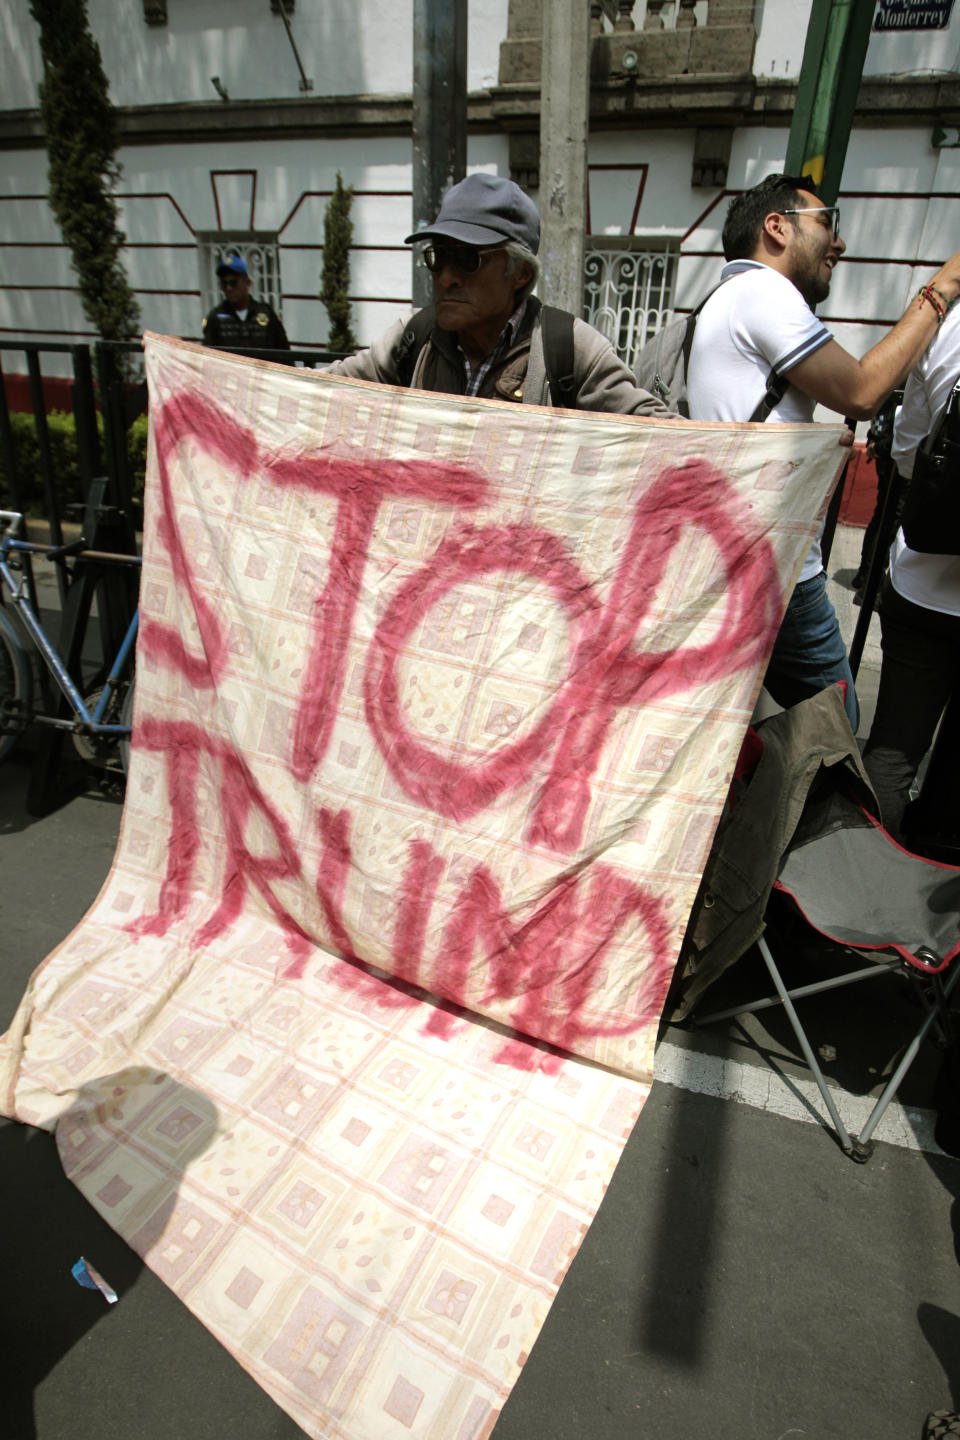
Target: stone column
[[564, 123]]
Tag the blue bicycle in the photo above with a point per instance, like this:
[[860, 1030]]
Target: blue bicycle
[[100, 723]]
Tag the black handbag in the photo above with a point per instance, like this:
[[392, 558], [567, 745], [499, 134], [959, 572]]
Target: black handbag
[[931, 507]]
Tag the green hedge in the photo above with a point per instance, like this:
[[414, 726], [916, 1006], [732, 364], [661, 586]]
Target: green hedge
[[63, 452]]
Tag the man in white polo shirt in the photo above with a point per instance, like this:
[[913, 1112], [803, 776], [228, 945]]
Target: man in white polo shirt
[[760, 352]]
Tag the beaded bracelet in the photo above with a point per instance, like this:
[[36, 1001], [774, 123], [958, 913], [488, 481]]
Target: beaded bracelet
[[934, 298]]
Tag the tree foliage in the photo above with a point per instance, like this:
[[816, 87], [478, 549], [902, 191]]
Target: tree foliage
[[335, 277], [65, 458], [82, 173]]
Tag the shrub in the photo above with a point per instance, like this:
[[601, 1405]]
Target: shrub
[[81, 135], [335, 278], [67, 481]]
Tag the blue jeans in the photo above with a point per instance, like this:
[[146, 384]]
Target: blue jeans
[[809, 653]]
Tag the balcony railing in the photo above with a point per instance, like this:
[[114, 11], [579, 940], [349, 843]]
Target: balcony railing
[[621, 16]]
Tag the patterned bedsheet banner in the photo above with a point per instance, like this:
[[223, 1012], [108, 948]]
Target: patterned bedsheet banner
[[437, 705]]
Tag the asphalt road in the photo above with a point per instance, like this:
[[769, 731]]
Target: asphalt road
[[743, 1279]]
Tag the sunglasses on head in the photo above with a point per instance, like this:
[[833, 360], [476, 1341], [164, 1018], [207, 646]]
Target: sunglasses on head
[[828, 215], [465, 258]]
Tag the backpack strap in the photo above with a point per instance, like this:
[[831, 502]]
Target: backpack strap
[[689, 330], [777, 387], [556, 332], [406, 352], [944, 431]]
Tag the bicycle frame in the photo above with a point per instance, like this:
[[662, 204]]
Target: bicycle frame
[[84, 721]]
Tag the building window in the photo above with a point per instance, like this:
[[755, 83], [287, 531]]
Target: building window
[[628, 290], [258, 248]]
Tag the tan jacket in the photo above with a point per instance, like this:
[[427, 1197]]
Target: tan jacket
[[754, 835], [603, 381]]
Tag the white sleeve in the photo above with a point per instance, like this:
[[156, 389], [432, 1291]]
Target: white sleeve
[[776, 322], [913, 423], [927, 392]]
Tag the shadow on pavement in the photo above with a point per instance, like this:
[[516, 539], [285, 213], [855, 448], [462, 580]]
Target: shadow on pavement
[[942, 1330], [47, 1226], [71, 1364], [73, 778], [941, 1327]]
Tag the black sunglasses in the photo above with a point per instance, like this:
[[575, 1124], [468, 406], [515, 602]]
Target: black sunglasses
[[465, 258], [231, 279]]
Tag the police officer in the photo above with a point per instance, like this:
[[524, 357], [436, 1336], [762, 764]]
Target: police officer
[[238, 322]]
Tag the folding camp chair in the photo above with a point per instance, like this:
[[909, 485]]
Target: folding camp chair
[[834, 862]]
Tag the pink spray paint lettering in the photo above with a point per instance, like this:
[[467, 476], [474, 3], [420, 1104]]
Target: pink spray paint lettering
[[605, 671], [437, 703], [548, 964], [453, 933]]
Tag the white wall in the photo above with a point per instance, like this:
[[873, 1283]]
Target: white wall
[[20, 66], [168, 192], [915, 52], [782, 26], [782, 29], [667, 205], [347, 47]]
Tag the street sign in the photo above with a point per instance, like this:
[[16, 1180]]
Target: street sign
[[945, 137], [912, 14]]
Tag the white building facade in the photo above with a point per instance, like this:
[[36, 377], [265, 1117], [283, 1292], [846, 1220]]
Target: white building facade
[[234, 124]]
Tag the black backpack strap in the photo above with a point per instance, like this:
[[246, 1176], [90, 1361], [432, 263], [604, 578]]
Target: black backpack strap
[[777, 387], [556, 332], [945, 431], [692, 319], [415, 335]]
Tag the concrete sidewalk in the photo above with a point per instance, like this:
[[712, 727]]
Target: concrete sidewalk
[[743, 1279]]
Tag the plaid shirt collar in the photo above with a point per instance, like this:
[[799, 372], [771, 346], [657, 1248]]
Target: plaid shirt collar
[[507, 337]]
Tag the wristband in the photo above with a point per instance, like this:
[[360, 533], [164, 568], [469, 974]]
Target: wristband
[[949, 303], [935, 300]]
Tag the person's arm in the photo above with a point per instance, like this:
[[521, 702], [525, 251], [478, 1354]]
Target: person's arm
[[376, 363], [604, 381], [858, 388]]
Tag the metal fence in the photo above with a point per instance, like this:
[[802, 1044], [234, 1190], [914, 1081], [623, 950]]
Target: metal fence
[[107, 382], [83, 404], [105, 396]]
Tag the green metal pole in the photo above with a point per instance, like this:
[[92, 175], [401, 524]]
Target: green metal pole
[[837, 37]]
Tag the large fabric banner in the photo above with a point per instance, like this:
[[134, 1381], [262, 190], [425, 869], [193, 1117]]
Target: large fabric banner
[[438, 701]]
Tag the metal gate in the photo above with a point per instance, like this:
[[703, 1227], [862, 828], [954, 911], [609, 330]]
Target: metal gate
[[262, 255], [628, 295]]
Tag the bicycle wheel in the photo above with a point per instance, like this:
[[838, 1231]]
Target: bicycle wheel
[[14, 687]]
